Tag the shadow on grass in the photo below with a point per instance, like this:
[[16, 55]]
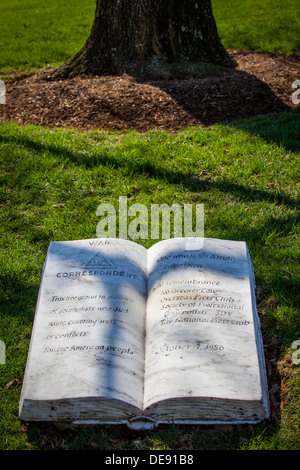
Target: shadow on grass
[[49, 436], [18, 296], [253, 235], [205, 97]]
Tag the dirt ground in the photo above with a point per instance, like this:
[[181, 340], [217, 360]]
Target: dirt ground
[[261, 84]]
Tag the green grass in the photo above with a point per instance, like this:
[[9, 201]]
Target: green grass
[[52, 182], [38, 34]]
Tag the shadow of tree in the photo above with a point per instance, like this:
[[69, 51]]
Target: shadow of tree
[[197, 185], [281, 129]]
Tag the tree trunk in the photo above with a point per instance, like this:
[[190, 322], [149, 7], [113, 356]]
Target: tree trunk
[[136, 36]]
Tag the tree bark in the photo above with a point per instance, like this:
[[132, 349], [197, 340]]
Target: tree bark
[[135, 36]]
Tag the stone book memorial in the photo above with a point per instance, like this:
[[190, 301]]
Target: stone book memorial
[[123, 334]]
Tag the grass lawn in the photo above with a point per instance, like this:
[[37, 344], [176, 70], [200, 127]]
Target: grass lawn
[[52, 183], [245, 173]]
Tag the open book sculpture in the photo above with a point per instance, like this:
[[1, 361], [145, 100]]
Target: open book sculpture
[[123, 334]]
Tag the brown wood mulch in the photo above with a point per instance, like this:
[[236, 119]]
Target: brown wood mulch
[[261, 83]]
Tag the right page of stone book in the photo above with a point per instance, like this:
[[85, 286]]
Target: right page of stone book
[[203, 338]]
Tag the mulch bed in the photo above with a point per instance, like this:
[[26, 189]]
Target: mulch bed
[[261, 84]]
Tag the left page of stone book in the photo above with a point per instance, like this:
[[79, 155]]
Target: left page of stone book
[[88, 334]]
